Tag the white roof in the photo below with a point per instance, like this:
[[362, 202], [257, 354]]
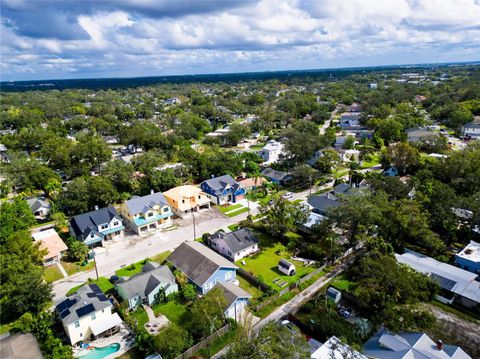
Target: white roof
[[99, 326], [333, 348], [471, 252], [454, 279], [273, 145]]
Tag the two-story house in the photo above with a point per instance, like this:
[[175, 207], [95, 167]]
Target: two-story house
[[271, 152], [186, 199], [96, 226], [203, 267], [143, 214], [223, 189], [234, 245], [469, 257], [87, 314]]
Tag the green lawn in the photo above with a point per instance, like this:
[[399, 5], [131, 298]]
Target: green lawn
[[237, 212], [233, 227], [72, 268], [52, 273], [133, 353], [135, 268], [342, 283], [245, 285], [264, 264], [102, 282], [225, 209], [141, 316], [172, 310], [374, 160], [6, 327]]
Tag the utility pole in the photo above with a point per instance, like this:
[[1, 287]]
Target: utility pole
[[310, 181], [95, 262], [194, 230]]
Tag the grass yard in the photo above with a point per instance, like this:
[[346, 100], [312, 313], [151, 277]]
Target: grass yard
[[6, 327], [133, 353], [264, 264], [72, 268], [140, 315], [233, 227], [172, 310], [103, 283], [374, 160], [136, 268], [342, 283], [237, 212], [232, 207], [245, 285], [52, 273]]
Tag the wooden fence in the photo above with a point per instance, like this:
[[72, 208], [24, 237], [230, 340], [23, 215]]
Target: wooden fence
[[253, 280], [205, 342]]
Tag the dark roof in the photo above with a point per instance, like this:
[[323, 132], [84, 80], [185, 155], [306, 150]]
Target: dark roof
[[37, 203], [323, 203], [278, 175], [85, 223], [143, 204], [145, 282], [232, 293], [236, 241], [218, 184], [285, 262], [86, 300], [472, 125], [344, 189], [197, 261]]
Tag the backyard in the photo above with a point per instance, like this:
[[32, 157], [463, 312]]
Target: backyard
[[136, 268], [264, 264], [172, 310]]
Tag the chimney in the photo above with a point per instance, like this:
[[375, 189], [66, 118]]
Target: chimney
[[439, 344], [152, 191], [96, 208]]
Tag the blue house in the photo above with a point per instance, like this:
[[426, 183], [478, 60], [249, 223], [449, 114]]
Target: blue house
[[236, 299], [469, 257], [391, 171], [203, 267], [223, 189]]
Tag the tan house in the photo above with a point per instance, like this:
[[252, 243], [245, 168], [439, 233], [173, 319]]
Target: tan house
[[52, 242], [186, 199]]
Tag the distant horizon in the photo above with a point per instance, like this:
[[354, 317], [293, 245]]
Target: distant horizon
[[200, 74]]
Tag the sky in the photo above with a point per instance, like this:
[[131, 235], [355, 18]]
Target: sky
[[43, 39]]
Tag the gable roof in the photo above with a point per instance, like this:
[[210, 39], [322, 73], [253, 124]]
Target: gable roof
[[278, 175], [142, 204], [37, 203], [88, 299], [237, 240], [232, 293], [85, 223], [198, 262], [219, 184], [345, 189], [147, 281], [323, 203], [51, 241]]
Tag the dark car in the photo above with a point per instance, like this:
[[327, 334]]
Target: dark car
[[113, 278]]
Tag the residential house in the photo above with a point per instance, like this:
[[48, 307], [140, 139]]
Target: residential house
[[236, 300], [313, 220], [4, 156], [19, 346], [271, 152], [347, 155], [234, 245], [251, 183], [405, 345], [40, 207], [418, 134], [143, 214], [469, 257], [186, 199], [456, 284], [52, 243], [354, 107], [350, 119], [223, 189], [145, 286], [391, 171], [344, 189], [275, 176], [96, 226], [333, 348], [202, 266], [87, 314], [324, 203], [471, 130]]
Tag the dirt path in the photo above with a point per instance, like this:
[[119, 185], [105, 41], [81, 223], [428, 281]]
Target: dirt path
[[455, 330]]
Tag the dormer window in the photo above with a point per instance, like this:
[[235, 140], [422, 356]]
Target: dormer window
[[104, 226], [166, 209], [115, 223], [149, 214], [77, 324], [198, 196], [92, 235]]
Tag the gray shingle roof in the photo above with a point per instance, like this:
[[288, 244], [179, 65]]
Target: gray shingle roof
[[232, 292], [236, 241], [324, 203], [278, 175], [37, 203], [218, 184], [197, 261], [144, 283], [88, 299], [142, 204], [85, 223]]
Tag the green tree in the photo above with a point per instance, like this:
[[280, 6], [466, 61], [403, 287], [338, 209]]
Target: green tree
[[77, 251], [14, 216], [403, 156], [120, 174], [281, 216], [172, 341], [236, 134], [328, 161], [188, 292], [388, 129]]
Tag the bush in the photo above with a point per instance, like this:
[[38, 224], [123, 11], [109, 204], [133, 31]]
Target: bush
[[172, 341], [188, 292]]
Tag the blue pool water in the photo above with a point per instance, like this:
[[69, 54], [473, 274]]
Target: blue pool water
[[99, 353]]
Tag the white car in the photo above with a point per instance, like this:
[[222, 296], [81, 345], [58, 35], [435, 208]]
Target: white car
[[287, 195]]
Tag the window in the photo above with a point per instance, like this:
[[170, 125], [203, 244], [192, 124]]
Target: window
[[198, 196], [115, 223], [183, 201], [104, 226], [81, 335], [166, 209], [93, 316], [228, 275], [150, 214], [77, 324], [92, 235]]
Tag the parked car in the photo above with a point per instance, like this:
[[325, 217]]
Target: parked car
[[287, 195], [113, 278], [290, 326]]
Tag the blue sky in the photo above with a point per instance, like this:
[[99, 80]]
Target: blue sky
[[43, 39]]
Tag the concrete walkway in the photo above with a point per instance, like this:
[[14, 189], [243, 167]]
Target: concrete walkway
[[62, 270]]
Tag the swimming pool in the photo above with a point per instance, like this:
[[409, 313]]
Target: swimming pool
[[99, 353]]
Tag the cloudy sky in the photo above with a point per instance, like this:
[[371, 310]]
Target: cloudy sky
[[42, 39]]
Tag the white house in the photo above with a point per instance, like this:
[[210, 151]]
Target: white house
[[234, 245], [271, 152], [87, 314], [471, 129], [333, 348]]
